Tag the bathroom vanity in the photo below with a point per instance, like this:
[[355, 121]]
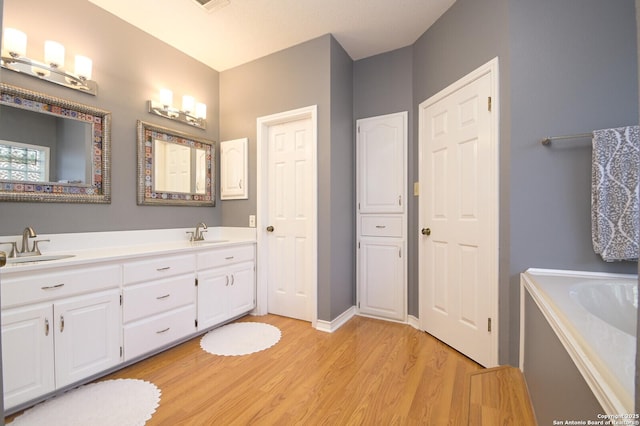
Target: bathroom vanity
[[118, 298]]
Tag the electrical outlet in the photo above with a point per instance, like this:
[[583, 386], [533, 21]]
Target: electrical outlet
[[252, 221]]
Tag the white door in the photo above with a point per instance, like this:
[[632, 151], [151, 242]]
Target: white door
[[458, 215], [87, 335], [290, 218], [27, 353]]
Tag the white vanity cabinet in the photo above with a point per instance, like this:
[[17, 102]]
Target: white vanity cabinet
[[58, 327], [159, 302], [226, 284]]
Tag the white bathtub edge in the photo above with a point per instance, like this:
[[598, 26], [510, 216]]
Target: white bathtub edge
[[598, 384]]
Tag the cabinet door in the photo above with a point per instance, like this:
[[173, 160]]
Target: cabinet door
[[381, 278], [87, 335], [233, 169], [381, 163], [212, 297], [242, 289], [27, 353]]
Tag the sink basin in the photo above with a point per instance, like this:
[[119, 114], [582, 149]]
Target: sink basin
[[39, 258], [210, 242]]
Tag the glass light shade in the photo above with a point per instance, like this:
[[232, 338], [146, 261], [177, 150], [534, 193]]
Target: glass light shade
[[166, 97], [201, 110], [53, 54], [188, 102], [15, 42], [83, 67]]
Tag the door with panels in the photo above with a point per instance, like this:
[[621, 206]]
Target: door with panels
[[381, 215]]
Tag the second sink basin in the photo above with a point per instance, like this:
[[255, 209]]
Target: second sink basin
[[39, 258]]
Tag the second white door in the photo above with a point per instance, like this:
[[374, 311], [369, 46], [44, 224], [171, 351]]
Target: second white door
[[290, 227]]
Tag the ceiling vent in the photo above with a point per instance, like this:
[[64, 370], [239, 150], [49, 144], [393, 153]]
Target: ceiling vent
[[212, 5]]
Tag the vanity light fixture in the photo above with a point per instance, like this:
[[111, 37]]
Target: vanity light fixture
[[14, 58], [192, 112]]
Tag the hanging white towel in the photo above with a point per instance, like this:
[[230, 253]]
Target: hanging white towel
[[615, 227]]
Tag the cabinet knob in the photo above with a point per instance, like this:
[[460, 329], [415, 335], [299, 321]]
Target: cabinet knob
[[270, 228], [3, 259], [426, 231]]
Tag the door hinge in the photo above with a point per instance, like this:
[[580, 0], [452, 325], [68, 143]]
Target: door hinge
[[196, 282], [489, 103], [121, 351], [196, 322], [400, 253], [120, 300], [358, 244], [358, 129], [358, 305], [489, 325]]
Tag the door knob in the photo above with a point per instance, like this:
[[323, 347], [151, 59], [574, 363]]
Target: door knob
[[426, 231], [270, 228], [3, 259]]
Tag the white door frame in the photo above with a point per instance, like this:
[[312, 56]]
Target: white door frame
[[490, 68], [262, 158]]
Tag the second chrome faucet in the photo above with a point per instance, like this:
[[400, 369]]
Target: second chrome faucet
[[198, 234]]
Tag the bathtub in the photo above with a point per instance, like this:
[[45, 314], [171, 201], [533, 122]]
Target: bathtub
[[594, 315]]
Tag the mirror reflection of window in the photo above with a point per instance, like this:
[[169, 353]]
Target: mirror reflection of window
[[24, 162]]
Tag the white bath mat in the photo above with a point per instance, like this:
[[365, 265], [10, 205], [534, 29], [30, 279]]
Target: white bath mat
[[121, 402], [240, 338]]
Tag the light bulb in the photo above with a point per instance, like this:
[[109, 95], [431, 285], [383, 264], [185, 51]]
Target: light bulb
[[166, 97], [53, 54], [83, 67], [187, 103], [15, 42], [201, 110]]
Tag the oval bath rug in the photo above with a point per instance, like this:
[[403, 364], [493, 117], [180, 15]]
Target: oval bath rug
[[122, 402], [240, 338]]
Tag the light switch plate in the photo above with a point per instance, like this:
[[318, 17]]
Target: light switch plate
[[252, 221], [416, 189]]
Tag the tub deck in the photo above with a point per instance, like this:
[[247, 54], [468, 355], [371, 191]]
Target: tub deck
[[602, 349]]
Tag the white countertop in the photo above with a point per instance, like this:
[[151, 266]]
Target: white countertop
[[90, 247]]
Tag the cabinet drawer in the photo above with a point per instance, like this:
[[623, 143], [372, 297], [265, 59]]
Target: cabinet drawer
[[381, 226], [155, 332], [57, 283], [151, 298], [158, 267], [225, 256]]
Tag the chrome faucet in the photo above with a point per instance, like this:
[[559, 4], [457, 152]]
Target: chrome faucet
[[24, 249], [198, 235]]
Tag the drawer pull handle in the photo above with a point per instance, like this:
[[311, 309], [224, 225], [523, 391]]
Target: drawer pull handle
[[46, 326], [166, 268], [229, 257], [233, 279], [227, 283], [163, 297], [381, 226], [61, 323], [50, 287], [163, 331]]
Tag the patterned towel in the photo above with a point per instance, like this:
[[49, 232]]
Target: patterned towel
[[614, 193]]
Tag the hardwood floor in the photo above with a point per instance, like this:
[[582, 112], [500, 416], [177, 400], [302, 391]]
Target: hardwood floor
[[369, 372]]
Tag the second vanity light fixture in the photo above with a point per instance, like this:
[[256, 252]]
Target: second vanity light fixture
[[191, 113], [14, 58]]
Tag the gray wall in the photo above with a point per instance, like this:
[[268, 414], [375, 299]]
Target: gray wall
[[382, 84], [317, 72], [573, 70], [130, 67], [467, 36]]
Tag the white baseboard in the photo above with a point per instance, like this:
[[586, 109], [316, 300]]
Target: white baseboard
[[339, 321], [413, 322]]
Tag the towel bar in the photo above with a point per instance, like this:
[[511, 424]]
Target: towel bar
[[547, 140]]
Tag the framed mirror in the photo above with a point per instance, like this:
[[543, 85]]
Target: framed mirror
[[174, 168], [52, 149]]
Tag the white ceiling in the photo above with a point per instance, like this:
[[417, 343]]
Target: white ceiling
[[245, 30]]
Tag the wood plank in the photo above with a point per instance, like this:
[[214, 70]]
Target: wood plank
[[497, 396], [367, 372]]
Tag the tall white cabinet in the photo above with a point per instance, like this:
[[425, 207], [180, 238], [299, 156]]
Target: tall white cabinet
[[382, 215]]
